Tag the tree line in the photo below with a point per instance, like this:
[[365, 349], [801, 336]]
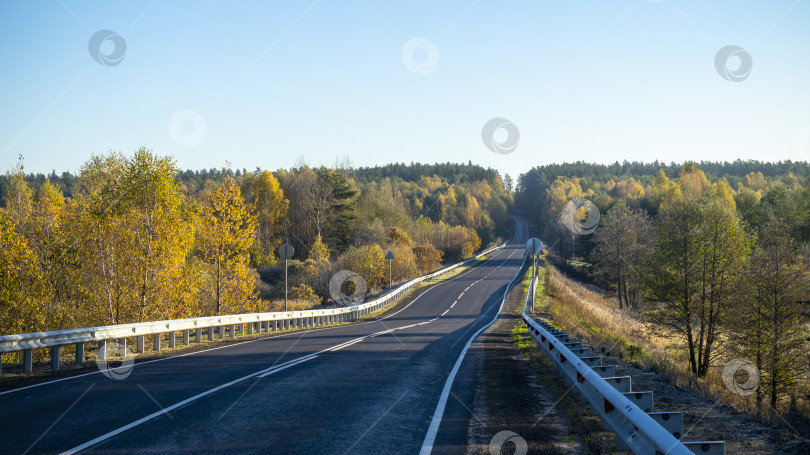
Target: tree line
[[719, 263], [133, 238]]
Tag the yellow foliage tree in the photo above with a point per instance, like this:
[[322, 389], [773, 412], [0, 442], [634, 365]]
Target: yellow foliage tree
[[264, 194], [226, 232], [21, 282], [319, 251], [369, 263], [428, 258], [152, 207]]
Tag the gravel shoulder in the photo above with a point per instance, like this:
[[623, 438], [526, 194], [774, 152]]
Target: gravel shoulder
[[511, 394]]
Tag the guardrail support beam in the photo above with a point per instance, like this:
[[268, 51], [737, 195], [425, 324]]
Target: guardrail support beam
[[156, 342], [28, 361], [80, 353], [172, 339], [185, 337], [102, 350], [198, 335], [122, 347], [55, 357], [139, 344]]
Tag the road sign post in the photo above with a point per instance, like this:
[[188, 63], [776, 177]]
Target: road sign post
[[390, 257], [534, 246], [285, 251]]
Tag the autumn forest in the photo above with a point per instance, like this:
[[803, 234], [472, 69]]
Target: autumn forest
[[133, 238]]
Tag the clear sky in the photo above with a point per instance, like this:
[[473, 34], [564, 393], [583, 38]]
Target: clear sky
[[268, 83]]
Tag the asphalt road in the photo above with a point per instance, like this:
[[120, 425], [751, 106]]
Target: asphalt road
[[376, 387]]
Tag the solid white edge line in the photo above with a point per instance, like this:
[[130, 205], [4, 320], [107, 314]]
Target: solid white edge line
[[277, 369], [430, 437]]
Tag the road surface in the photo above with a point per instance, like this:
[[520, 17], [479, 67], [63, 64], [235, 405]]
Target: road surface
[[395, 385]]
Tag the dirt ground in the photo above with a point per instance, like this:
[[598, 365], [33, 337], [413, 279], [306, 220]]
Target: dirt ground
[[511, 395]]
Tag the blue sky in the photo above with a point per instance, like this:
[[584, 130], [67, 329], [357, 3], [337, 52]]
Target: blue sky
[[269, 83]]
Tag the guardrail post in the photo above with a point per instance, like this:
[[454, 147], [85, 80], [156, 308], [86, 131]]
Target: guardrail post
[[122, 347], [198, 335], [28, 361], [156, 342], [185, 337], [55, 357], [275, 326], [102, 350], [172, 339], [139, 344], [250, 328], [232, 330], [80, 353], [239, 328], [210, 334], [222, 332]]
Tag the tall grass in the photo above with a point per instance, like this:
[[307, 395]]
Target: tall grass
[[598, 321]]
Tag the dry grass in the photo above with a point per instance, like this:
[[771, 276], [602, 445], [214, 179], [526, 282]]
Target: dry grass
[[599, 322]]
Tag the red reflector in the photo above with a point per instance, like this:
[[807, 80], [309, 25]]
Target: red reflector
[[608, 406], [580, 378]]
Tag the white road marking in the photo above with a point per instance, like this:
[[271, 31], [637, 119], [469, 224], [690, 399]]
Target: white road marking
[[284, 367], [445, 312], [430, 437]]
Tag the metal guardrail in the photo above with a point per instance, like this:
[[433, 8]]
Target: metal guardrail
[[626, 412], [233, 324]]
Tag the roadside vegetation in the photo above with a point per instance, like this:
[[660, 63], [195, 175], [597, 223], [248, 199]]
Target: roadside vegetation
[[699, 268]]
